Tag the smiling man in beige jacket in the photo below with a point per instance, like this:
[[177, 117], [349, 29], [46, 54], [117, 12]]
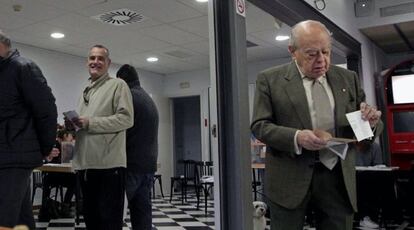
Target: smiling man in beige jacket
[[106, 111]]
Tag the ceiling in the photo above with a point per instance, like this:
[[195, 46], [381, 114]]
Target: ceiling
[[176, 31], [392, 38]]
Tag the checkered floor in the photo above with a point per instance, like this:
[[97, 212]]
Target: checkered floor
[[166, 215], [171, 216]]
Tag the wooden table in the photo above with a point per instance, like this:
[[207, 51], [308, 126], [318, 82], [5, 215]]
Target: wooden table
[[258, 166], [63, 168]]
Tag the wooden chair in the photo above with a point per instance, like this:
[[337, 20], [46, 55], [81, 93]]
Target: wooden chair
[[185, 180], [157, 177], [204, 181], [37, 182]]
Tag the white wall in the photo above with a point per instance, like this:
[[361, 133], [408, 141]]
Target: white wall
[[375, 20], [67, 76], [256, 67], [198, 80]]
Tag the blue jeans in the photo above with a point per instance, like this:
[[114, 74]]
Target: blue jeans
[[138, 191]]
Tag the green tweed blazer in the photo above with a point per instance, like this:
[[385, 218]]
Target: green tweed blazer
[[280, 109]]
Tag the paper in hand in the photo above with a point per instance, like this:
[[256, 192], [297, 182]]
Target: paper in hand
[[72, 115], [361, 128], [339, 148], [336, 145]]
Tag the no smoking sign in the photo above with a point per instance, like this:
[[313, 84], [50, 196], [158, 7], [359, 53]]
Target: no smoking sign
[[240, 7]]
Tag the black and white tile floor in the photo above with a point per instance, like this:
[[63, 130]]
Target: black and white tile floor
[[169, 216], [166, 215]]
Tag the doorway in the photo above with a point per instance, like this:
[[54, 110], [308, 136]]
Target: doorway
[[187, 130]]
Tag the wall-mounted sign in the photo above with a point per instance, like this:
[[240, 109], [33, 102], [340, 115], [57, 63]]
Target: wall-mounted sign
[[240, 7], [184, 85]]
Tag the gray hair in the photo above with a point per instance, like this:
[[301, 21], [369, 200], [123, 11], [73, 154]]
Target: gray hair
[[101, 47], [4, 39], [293, 42]]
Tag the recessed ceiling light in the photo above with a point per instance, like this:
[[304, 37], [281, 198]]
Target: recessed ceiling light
[[57, 35], [202, 0], [282, 37], [152, 59]]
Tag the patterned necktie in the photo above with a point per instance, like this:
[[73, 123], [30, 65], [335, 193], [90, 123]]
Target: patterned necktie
[[324, 120]]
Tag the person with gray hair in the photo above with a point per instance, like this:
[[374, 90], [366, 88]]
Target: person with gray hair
[[28, 118], [105, 113], [297, 106]]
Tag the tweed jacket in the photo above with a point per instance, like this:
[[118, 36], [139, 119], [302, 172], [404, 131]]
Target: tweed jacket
[[280, 109]]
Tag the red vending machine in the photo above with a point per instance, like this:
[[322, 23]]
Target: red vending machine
[[399, 103]]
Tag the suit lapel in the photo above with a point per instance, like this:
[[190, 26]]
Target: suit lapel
[[296, 93]]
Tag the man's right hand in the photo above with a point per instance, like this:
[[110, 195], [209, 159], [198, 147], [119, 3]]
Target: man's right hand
[[308, 140]]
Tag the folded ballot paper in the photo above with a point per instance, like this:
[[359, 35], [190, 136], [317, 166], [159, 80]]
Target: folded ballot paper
[[337, 145], [361, 128]]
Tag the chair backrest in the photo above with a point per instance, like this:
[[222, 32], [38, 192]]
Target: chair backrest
[[189, 168], [203, 168], [37, 179]]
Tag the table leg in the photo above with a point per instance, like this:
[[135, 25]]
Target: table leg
[[77, 196]]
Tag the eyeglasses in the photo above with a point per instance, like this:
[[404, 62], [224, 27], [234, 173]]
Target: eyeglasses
[[311, 54]]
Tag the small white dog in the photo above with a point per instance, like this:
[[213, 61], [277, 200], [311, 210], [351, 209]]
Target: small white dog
[[259, 211]]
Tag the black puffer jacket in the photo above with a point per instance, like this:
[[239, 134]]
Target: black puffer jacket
[[28, 114]]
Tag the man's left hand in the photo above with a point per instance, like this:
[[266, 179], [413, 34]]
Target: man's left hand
[[370, 113]]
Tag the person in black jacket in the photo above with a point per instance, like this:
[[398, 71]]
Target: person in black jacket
[[28, 118], [142, 151]]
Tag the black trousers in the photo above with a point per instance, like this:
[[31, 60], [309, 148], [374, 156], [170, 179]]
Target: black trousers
[[15, 198], [103, 198]]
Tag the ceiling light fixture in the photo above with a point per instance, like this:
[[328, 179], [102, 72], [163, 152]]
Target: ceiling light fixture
[[282, 37], [152, 59], [57, 35], [202, 0]]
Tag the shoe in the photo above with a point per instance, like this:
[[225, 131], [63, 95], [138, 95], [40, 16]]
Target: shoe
[[366, 222]]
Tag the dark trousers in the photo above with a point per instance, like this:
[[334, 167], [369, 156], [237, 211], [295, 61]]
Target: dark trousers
[[138, 190], [103, 198], [368, 197], [327, 196], [15, 199]]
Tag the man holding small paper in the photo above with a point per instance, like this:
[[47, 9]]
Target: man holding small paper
[[105, 113], [294, 101]]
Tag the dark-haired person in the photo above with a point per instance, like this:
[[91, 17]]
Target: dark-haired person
[[52, 179], [27, 132], [105, 113], [142, 151]]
